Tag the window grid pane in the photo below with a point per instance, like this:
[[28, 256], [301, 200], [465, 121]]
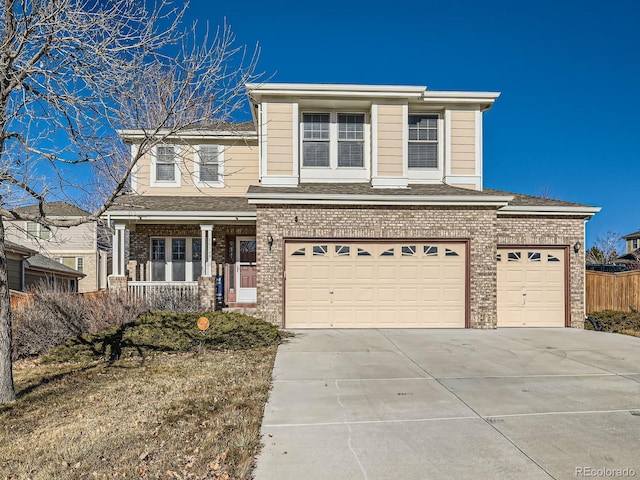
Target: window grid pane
[[316, 126], [350, 126], [157, 249], [165, 163], [315, 154], [350, 154], [423, 155], [423, 138], [179, 249]]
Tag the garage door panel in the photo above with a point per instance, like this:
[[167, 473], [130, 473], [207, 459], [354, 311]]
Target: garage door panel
[[384, 285], [531, 290]]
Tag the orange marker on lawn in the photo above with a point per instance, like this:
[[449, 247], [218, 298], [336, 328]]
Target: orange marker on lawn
[[203, 323]]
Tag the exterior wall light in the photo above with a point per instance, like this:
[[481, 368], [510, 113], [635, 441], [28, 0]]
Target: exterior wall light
[[270, 240], [577, 246]]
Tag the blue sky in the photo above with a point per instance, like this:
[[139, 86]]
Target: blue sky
[[568, 121]]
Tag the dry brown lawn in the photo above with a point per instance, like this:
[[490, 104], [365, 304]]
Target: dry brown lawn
[[174, 416]]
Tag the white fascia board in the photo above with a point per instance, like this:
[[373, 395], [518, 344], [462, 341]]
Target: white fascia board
[[139, 134], [179, 216], [313, 199], [549, 210], [257, 91]]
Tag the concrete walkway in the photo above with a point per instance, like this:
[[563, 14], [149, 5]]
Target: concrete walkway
[[453, 404]]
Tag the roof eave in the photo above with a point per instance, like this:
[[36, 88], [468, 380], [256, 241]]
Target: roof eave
[[328, 199], [583, 210]]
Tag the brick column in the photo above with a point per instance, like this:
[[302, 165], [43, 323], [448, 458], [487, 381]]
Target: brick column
[[207, 293], [118, 284]]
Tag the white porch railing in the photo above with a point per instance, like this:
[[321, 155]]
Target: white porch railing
[[151, 290]]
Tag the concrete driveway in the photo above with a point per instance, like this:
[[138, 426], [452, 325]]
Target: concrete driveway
[[453, 404]]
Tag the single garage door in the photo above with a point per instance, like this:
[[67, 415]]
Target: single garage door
[[375, 285], [531, 287]]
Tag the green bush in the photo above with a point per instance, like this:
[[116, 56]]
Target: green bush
[[614, 321], [158, 332]]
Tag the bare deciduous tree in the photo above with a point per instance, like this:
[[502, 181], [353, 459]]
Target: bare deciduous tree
[[605, 249], [75, 72]]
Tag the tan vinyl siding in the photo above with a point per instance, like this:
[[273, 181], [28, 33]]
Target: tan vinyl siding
[[463, 142], [390, 142], [78, 237], [240, 171], [280, 139]]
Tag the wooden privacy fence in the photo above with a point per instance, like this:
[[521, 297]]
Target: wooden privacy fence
[[612, 291]]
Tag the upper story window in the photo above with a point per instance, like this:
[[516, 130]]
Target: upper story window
[[423, 141], [209, 167], [35, 230], [635, 243], [333, 140], [165, 170]]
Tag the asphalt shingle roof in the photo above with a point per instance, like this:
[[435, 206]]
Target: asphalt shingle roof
[[41, 262], [181, 204], [53, 209]]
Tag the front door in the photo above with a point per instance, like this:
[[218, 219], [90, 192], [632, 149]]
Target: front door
[[246, 270]]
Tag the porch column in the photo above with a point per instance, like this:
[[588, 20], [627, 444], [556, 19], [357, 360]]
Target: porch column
[[207, 249], [118, 251]]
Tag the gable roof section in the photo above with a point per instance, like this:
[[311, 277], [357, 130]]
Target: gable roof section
[[46, 264], [53, 209], [165, 208], [631, 236], [19, 249]]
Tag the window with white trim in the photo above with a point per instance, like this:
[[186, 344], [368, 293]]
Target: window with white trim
[[635, 243], [333, 140], [209, 165], [165, 169], [423, 141], [35, 230]]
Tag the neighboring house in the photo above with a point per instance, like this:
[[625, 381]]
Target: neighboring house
[[632, 249], [27, 268], [351, 206], [79, 248]]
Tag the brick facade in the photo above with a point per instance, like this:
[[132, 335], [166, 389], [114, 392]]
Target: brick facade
[[481, 226], [527, 230], [476, 225], [139, 247]]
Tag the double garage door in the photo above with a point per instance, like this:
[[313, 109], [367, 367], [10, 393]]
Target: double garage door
[[375, 285], [415, 285]]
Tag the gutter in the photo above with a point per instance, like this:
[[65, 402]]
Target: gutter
[[334, 199], [549, 210]]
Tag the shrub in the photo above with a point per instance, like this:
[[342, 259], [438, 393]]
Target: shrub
[[615, 321], [50, 316], [158, 332]]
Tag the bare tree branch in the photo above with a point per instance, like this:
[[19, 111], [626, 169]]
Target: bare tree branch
[[76, 73]]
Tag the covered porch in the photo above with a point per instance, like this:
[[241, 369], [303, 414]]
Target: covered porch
[[194, 248]]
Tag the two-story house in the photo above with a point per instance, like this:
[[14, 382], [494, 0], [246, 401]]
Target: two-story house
[[80, 248], [632, 249], [352, 206]]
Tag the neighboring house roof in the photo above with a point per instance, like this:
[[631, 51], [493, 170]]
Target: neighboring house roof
[[161, 207], [42, 263], [632, 236], [53, 209], [19, 249]]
